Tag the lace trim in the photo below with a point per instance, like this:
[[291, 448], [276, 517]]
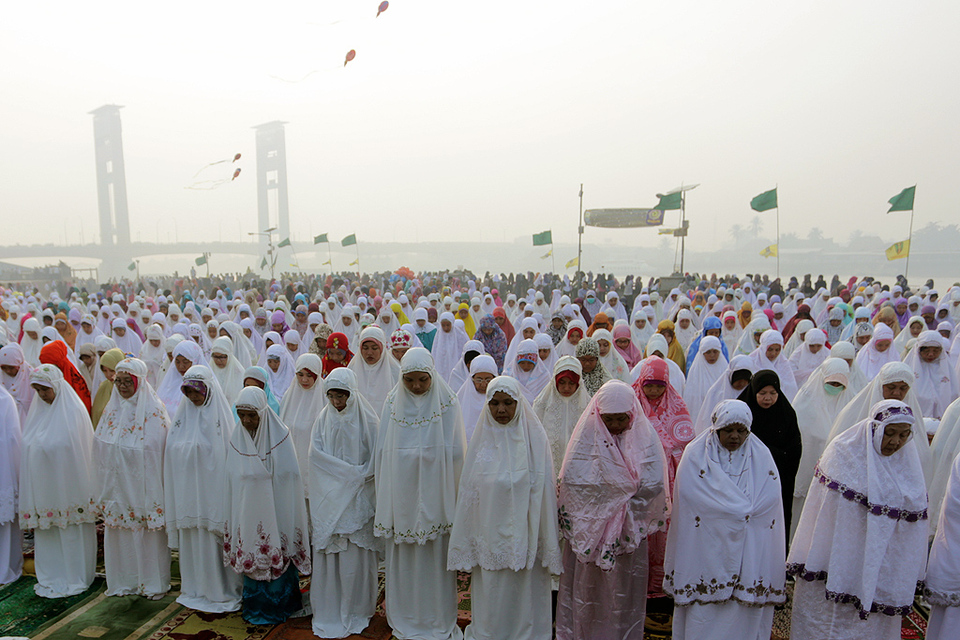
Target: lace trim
[[40, 518], [942, 598], [860, 498], [263, 560], [410, 536], [757, 594], [799, 570], [197, 522], [8, 505]]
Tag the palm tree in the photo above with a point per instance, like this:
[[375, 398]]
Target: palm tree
[[736, 232], [755, 226], [815, 234]]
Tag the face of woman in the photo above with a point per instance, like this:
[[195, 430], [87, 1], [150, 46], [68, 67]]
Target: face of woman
[[371, 351], [814, 348], [901, 309], [249, 419], [212, 332], [481, 380], [86, 359], [767, 397], [397, 352], [278, 328], [336, 355], [293, 348], [557, 323], [123, 381], [713, 332], [574, 337], [306, 379], [623, 343], [616, 423], [526, 366], [640, 324], [732, 436], [711, 356], [894, 437], [220, 359], [253, 382], [863, 340], [895, 390], [502, 407], [195, 397], [544, 354], [45, 393], [87, 328], [338, 398], [930, 354], [182, 364], [730, 323], [684, 323], [773, 352], [417, 382], [529, 334], [567, 387], [668, 335], [604, 347], [589, 363], [653, 390], [915, 329], [10, 370], [882, 345]]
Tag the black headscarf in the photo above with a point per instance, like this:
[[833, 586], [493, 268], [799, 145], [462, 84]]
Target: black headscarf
[[777, 428]]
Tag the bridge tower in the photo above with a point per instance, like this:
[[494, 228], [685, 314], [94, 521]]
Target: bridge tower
[[111, 177], [272, 204]]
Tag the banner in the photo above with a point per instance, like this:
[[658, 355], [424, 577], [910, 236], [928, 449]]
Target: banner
[[573, 263], [201, 260], [769, 252], [349, 240], [765, 201], [623, 218], [540, 239], [284, 243], [898, 250], [133, 266], [320, 239]]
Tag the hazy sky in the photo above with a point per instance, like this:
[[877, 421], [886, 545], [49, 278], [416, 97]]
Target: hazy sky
[[481, 119]]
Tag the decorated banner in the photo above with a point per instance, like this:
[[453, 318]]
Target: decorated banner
[[770, 251], [898, 250], [623, 218]]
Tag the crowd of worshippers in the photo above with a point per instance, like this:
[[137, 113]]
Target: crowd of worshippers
[[597, 471]]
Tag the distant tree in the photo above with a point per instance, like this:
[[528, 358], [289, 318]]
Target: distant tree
[[736, 232], [756, 225], [789, 239], [815, 234]]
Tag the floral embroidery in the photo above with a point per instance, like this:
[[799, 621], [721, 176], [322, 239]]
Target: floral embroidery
[[46, 518], [410, 536], [874, 509], [265, 561], [758, 593], [131, 517], [799, 570]]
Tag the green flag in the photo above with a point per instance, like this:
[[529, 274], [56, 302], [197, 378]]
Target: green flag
[[284, 243], [133, 266], [540, 239], [263, 264], [320, 239], [765, 201], [201, 260], [349, 240], [903, 201], [669, 202]]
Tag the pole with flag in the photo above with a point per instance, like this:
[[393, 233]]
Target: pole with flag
[[671, 201], [202, 260], [903, 201], [579, 236], [542, 239], [323, 238], [135, 266], [764, 202], [352, 240]]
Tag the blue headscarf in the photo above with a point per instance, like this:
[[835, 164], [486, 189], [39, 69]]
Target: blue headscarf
[[259, 373], [711, 322]]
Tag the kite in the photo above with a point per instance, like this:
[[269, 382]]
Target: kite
[[208, 185], [235, 158], [350, 56], [383, 7]]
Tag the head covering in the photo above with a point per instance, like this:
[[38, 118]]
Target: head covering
[[230, 378], [780, 364], [260, 375], [675, 348], [495, 344], [460, 372], [595, 379], [557, 414], [472, 403], [299, 409], [728, 502], [871, 360], [55, 353], [702, 375], [612, 487], [863, 533], [19, 385], [128, 451], [506, 514], [803, 361], [195, 457], [375, 380], [266, 525], [613, 362], [421, 437], [936, 385], [169, 391], [340, 465], [339, 341], [58, 483], [668, 414], [280, 379]]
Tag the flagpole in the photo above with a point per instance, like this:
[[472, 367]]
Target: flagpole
[[777, 188], [553, 256], [330, 256], [906, 271], [358, 260], [580, 237]]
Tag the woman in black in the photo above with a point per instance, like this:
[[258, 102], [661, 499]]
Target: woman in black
[[775, 424]]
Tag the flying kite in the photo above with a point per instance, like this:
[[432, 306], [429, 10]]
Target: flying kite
[[208, 185], [383, 7], [235, 158], [350, 56]]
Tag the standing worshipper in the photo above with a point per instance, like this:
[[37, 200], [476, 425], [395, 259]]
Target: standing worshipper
[[623, 342], [706, 368], [340, 470], [448, 345], [280, 368], [727, 500], [861, 544], [878, 351], [58, 487], [529, 370], [594, 375], [769, 355], [560, 405], [185, 355], [664, 408], [667, 329], [128, 450], [266, 539], [809, 355], [377, 373], [423, 328], [611, 498], [55, 353], [127, 341], [337, 354], [419, 457], [300, 407], [775, 425], [15, 376], [11, 544], [936, 385], [505, 528], [494, 340], [942, 588], [195, 457], [226, 368], [472, 394]]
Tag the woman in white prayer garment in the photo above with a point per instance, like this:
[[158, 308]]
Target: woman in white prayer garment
[[340, 471], [769, 355], [936, 384], [377, 372], [810, 355], [226, 368], [726, 500], [57, 486], [11, 549], [505, 529], [419, 456], [942, 588], [560, 405], [708, 366], [300, 407], [734, 380], [195, 457], [861, 544], [128, 450], [472, 394]]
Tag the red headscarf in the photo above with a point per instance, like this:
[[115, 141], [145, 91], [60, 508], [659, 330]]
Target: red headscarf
[[668, 414], [336, 341], [55, 353], [507, 326]]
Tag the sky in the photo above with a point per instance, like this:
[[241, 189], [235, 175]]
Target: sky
[[480, 120]]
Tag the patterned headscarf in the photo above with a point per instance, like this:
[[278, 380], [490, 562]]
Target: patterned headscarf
[[595, 379], [495, 343]]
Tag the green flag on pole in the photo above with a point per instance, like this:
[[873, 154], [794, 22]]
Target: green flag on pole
[[284, 243], [201, 260], [349, 240], [263, 263], [903, 201], [133, 266], [540, 239], [765, 201], [669, 202], [320, 239]]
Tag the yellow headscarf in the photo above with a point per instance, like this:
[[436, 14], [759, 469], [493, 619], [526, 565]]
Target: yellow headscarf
[[468, 323], [675, 350], [110, 359], [398, 311]]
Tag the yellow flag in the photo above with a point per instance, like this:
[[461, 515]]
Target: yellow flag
[[357, 261], [573, 263], [665, 232], [547, 254], [323, 263], [898, 250], [769, 252]]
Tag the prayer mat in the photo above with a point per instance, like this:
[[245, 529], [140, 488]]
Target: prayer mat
[[22, 611], [111, 618], [189, 624]]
